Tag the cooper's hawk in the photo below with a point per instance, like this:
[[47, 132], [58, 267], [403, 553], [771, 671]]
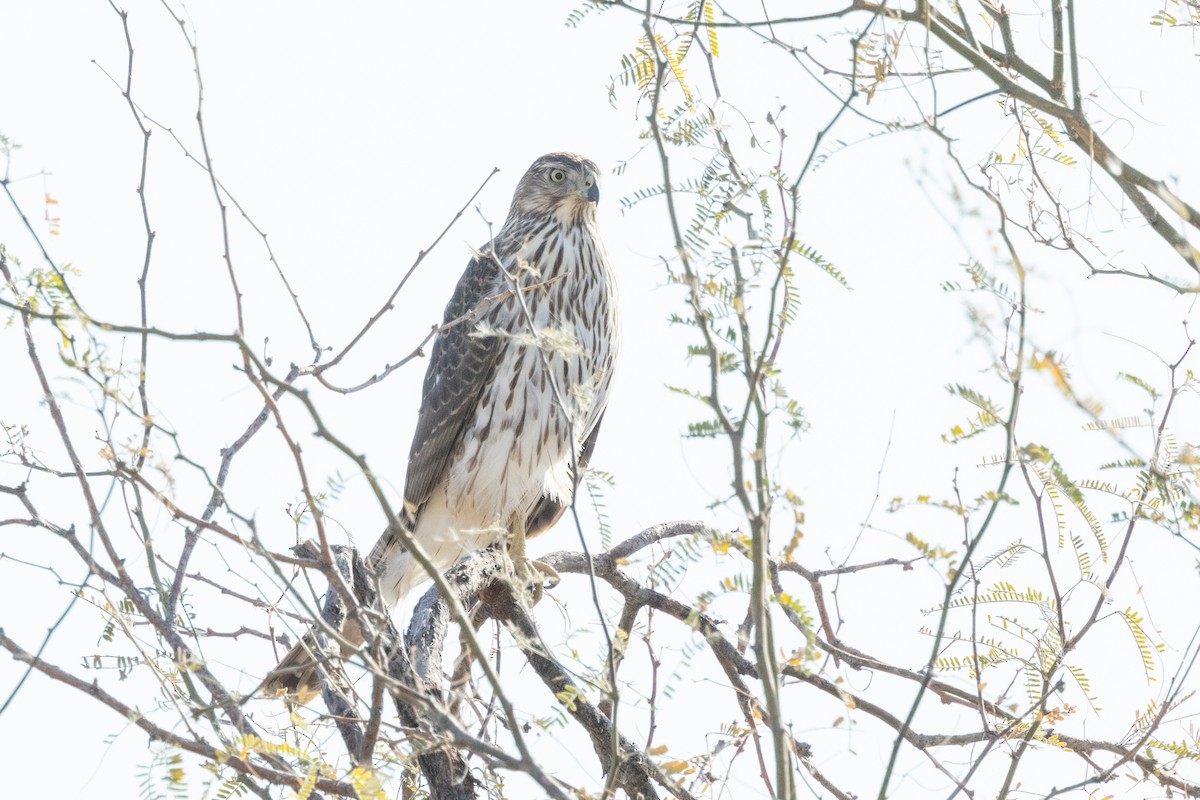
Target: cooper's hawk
[[513, 396]]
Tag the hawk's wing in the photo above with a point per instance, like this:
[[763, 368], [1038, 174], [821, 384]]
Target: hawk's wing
[[547, 510], [460, 366]]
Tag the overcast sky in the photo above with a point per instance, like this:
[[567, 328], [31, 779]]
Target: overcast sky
[[352, 135]]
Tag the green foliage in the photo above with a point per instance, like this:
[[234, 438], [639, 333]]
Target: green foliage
[[1081, 680], [695, 644], [737, 270], [596, 482], [704, 429], [810, 254], [1006, 556], [981, 280], [236, 787], [640, 68], [1036, 137], [1140, 383], [1057, 485], [1120, 423], [578, 15], [1177, 14], [977, 399], [680, 553], [1001, 592], [932, 552], [1127, 463], [986, 418], [991, 652], [164, 777], [336, 484]]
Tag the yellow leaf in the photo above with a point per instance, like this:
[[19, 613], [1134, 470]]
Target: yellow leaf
[[366, 784], [657, 750], [709, 15]]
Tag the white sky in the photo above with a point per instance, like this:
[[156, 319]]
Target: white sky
[[352, 135]]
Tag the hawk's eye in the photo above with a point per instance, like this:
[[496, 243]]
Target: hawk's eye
[[557, 176]]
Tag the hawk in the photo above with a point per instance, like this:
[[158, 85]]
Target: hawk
[[514, 393]]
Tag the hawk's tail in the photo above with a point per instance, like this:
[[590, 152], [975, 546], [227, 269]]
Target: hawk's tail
[[296, 674], [296, 677]]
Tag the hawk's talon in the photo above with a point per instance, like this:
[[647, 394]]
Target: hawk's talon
[[550, 575], [536, 575], [531, 575]]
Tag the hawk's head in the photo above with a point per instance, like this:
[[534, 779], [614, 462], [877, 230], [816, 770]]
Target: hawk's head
[[559, 184]]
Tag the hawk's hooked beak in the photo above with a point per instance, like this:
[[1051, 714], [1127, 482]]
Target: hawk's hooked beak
[[591, 189]]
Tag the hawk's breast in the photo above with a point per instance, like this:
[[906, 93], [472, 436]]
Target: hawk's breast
[[550, 383]]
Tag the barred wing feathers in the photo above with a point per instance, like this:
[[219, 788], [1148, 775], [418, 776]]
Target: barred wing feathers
[[460, 368]]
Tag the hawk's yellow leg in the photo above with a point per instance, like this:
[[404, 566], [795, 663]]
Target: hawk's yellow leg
[[533, 573]]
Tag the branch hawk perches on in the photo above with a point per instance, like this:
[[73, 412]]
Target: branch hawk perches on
[[512, 399]]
